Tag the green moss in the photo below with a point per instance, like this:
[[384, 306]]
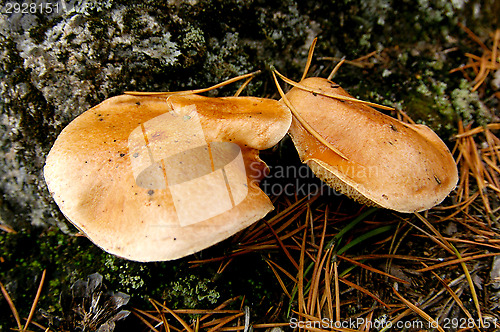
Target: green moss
[[193, 42], [68, 258], [27, 253]]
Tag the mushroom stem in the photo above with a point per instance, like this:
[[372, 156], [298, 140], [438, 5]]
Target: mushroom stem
[[302, 121], [188, 92], [319, 92]]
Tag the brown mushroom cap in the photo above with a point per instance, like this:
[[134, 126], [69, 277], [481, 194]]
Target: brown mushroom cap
[[96, 171], [389, 163]]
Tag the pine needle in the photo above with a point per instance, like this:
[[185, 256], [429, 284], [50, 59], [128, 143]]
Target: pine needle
[[177, 317], [280, 281], [419, 311], [322, 93], [12, 306], [309, 58], [188, 92], [464, 267], [35, 301], [303, 122], [455, 297], [364, 291], [369, 268]]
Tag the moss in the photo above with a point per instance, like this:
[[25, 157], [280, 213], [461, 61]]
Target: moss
[[66, 259], [26, 254], [192, 45]]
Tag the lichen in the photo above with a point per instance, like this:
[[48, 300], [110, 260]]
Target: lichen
[[161, 48], [435, 105], [89, 7], [130, 276], [469, 106], [191, 292]]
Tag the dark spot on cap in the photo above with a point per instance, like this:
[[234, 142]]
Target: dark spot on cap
[[122, 154], [138, 103], [334, 86], [101, 119], [385, 196], [175, 238], [314, 94], [393, 127], [151, 192], [437, 179]]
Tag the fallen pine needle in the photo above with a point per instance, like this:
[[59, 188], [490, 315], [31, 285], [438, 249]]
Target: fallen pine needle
[[456, 298], [433, 323]]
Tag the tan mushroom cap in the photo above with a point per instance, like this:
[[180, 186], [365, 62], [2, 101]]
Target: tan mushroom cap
[[97, 171], [390, 164]]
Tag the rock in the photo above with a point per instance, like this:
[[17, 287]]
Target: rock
[[495, 273]]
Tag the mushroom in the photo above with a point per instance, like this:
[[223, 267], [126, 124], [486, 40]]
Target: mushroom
[[365, 154], [152, 178]]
